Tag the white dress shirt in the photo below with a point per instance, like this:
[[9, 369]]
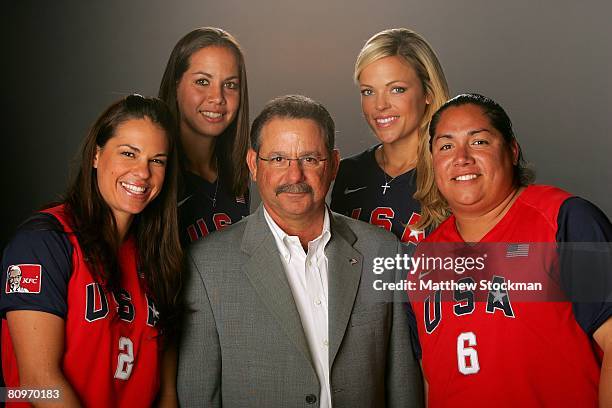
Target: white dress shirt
[[307, 276]]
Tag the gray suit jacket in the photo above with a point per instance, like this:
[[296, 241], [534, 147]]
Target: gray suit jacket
[[243, 344]]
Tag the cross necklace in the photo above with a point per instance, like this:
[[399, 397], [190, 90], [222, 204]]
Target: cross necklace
[[214, 198], [387, 181]]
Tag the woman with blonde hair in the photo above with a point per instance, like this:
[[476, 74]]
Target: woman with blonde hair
[[402, 84], [205, 86]]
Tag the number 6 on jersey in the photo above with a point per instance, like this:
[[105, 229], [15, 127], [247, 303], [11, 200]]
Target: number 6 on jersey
[[467, 357]]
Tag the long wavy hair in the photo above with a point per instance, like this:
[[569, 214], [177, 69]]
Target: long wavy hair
[[155, 229], [417, 52], [231, 146]]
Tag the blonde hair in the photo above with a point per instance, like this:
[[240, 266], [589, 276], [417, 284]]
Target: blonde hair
[[413, 48]]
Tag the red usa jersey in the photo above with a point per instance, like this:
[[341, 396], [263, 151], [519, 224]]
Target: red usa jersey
[[111, 355], [492, 350]]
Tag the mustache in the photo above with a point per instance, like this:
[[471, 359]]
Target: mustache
[[294, 188]]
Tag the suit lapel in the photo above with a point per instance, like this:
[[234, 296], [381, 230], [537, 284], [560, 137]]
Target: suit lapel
[[265, 272], [344, 274]]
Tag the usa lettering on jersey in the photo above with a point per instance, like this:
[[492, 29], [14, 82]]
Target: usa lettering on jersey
[[201, 230], [465, 303], [383, 217], [97, 306]]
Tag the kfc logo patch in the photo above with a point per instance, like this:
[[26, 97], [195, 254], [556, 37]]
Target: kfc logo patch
[[23, 278]]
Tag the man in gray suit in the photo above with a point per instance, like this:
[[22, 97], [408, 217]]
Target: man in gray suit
[[283, 313]]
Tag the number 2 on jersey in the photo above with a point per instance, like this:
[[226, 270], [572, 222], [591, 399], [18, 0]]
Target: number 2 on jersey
[[125, 359], [467, 357]]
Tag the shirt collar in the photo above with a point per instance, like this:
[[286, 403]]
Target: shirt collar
[[283, 240]]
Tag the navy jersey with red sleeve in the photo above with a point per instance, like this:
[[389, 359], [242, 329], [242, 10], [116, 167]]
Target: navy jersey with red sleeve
[[359, 192], [206, 207], [111, 343], [499, 348]]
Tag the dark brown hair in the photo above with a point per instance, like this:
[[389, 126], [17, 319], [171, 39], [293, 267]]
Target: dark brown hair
[[524, 175], [294, 107], [232, 145], [155, 229]]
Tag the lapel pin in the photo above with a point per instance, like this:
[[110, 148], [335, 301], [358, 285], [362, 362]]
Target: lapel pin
[[352, 261]]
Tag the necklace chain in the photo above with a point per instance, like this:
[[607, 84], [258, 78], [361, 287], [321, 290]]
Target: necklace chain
[[214, 198], [387, 181]]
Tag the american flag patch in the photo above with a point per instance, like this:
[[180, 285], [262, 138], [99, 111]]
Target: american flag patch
[[241, 199], [515, 250]]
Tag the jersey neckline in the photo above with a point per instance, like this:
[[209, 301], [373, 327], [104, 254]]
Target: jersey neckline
[[372, 156]]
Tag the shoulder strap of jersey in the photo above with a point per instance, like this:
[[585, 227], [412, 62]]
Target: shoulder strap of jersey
[[59, 212], [545, 199]]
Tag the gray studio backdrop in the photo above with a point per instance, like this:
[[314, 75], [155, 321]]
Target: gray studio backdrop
[[548, 63]]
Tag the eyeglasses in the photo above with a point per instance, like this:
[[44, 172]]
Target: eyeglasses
[[282, 162]]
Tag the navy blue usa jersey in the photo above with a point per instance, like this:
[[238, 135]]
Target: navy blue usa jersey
[[205, 207], [363, 191]]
